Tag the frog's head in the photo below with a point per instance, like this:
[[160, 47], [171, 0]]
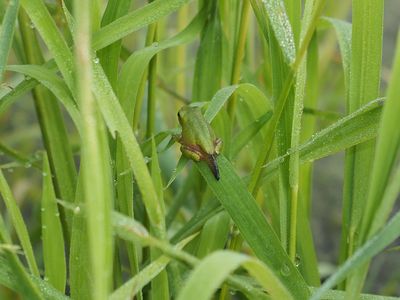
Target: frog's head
[[187, 112]]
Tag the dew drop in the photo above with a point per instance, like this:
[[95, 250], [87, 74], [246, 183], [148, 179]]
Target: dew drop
[[297, 261], [27, 165], [155, 44], [31, 25], [96, 60], [44, 174], [77, 210], [44, 227], [57, 214], [42, 209]]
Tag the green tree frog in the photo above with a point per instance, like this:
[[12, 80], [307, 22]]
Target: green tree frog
[[198, 140]]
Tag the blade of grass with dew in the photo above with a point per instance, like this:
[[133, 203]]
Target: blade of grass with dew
[[159, 284], [136, 283], [44, 23], [7, 33], [55, 84], [211, 272], [241, 206], [357, 127], [15, 94], [338, 295], [52, 235], [80, 279], [51, 124], [109, 56], [384, 162], [131, 230], [343, 32], [12, 273], [307, 250], [373, 246], [208, 67], [117, 122], [388, 144], [135, 20], [96, 169], [18, 223], [365, 71]]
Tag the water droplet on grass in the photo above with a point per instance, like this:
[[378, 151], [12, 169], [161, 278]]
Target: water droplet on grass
[[285, 270]]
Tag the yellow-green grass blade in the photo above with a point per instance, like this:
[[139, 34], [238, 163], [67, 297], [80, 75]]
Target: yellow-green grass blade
[[95, 161], [256, 231], [12, 273], [55, 84], [135, 20], [211, 272], [52, 235], [18, 223], [388, 144], [365, 71], [357, 127], [7, 33], [208, 68]]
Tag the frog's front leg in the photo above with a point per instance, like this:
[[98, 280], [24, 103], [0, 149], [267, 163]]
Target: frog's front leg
[[218, 145], [191, 152]]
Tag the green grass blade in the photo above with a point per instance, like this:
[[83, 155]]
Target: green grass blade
[[365, 71], [117, 122], [208, 68], [211, 272], [42, 20], [96, 169], [241, 206], [276, 12], [12, 273], [55, 84], [7, 33], [358, 127], [136, 283], [52, 235], [388, 144], [19, 224], [373, 246], [135, 20], [109, 56]]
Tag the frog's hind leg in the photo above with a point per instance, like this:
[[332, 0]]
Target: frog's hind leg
[[191, 152]]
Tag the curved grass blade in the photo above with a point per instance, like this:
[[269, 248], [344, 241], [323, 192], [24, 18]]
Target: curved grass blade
[[7, 33], [136, 283], [213, 270], [19, 225], [55, 84], [135, 20], [360, 126], [243, 209], [52, 235], [373, 246]]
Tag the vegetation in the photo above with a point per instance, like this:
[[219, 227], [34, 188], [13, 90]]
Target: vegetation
[[97, 202]]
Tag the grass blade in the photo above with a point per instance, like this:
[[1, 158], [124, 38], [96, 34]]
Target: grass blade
[[7, 33], [135, 20], [96, 169], [19, 224], [52, 236], [213, 270], [247, 216]]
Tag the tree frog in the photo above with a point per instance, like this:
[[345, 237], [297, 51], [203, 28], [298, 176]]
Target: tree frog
[[198, 140]]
